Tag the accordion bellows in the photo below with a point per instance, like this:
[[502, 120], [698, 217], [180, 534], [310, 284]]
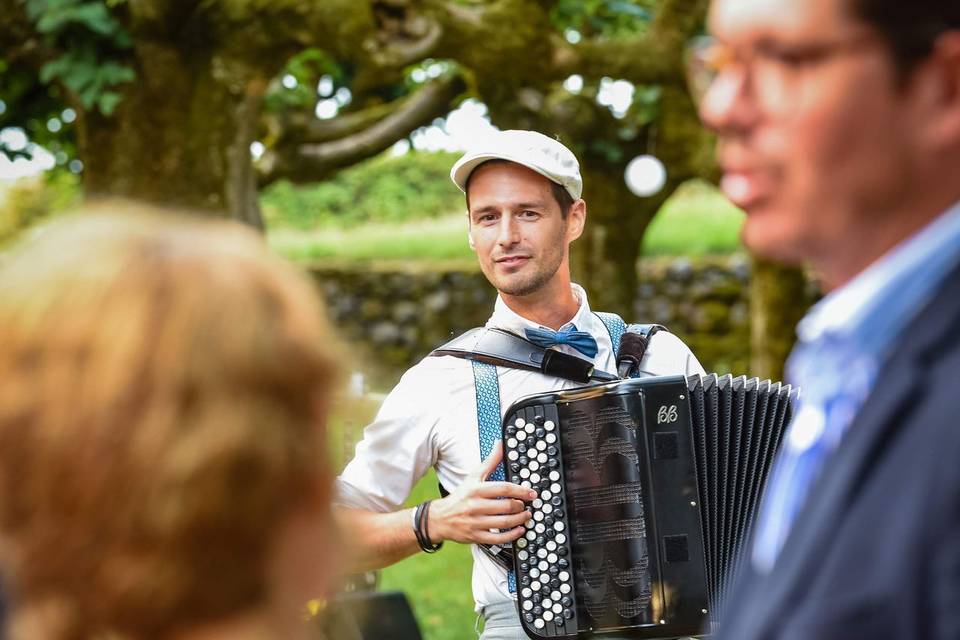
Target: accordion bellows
[[647, 489]]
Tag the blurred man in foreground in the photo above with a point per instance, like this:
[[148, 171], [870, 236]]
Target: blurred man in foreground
[[162, 436], [839, 127]]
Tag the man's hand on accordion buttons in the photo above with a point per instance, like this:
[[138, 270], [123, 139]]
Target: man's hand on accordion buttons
[[475, 511]]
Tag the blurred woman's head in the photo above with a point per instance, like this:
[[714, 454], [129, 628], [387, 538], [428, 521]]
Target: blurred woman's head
[[162, 443]]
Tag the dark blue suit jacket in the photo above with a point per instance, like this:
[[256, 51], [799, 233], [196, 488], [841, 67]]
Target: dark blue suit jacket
[[875, 552]]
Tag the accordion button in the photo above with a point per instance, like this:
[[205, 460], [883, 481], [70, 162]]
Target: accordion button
[[540, 432], [561, 539], [526, 592], [524, 473], [556, 501], [542, 457], [521, 543], [529, 428], [522, 459], [551, 451], [534, 465], [527, 605], [548, 615], [541, 445], [558, 514], [548, 425], [551, 546], [546, 494], [539, 623], [534, 477], [526, 484], [564, 576], [563, 563], [528, 617], [537, 503], [565, 587], [554, 476], [522, 554], [568, 614], [547, 603], [522, 448], [538, 516], [531, 535], [566, 601], [552, 559], [557, 608], [538, 420], [515, 479], [551, 438], [538, 611], [543, 566], [547, 508], [515, 467], [542, 553], [552, 463], [511, 442], [512, 455], [535, 573], [562, 551], [519, 422], [558, 621], [535, 586], [536, 597]]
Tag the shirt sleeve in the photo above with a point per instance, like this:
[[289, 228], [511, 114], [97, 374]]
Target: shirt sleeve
[[397, 449], [667, 355]]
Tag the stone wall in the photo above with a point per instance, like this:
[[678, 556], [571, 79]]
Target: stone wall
[[392, 318]]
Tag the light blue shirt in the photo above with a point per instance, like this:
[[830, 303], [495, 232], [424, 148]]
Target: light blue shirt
[[842, 343]]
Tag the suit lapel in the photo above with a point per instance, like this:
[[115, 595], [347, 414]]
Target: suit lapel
[[898, 385]]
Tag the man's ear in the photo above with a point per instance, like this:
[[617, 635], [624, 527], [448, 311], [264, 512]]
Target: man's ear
[[576, 218], [473, 247], [938, 82]]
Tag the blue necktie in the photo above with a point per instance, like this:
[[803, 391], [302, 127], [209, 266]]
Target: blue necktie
[[834, 381], [579, 340]]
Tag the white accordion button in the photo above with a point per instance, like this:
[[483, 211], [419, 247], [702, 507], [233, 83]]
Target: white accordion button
[[551, 557], [535, 585], [548, 615], [519, 422], [527, 605], [512, 455], [512, 442], [564, 576], [535, 477], [561, 538], [529, 428], [534, 465], [546, 604], [558, 526], [521, 542], [537, 503], [538, 623], [542, 458], [555, 475], [551, 545], [557, 608], [551, 438], [541, 445], [548, 425], [565, 587]]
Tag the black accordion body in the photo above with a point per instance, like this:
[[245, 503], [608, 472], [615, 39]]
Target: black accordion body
[[646, 489]]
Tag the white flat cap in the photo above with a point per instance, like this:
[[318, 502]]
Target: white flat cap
[[546, 156]]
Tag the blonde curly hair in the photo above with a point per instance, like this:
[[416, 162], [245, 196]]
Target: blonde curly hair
[[165, 384]]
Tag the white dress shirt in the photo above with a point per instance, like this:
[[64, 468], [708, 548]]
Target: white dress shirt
[[430, 420]]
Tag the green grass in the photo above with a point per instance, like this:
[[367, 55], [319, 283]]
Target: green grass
[[442, 238], [697, 220]]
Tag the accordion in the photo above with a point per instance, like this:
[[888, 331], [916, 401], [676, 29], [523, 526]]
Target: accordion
[[646, 490]]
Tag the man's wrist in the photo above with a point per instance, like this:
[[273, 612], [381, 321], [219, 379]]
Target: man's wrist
[[421, 528]]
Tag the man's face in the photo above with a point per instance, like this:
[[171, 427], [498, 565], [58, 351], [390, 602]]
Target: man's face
[[516, 228], [814, 141]]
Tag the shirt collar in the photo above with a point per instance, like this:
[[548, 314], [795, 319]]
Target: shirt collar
[[505, 318], [921, 260]]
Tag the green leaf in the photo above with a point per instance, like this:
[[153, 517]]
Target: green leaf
[[108, 102]]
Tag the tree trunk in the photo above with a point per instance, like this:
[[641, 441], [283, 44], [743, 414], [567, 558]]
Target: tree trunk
[[778, 300], [181, 134]]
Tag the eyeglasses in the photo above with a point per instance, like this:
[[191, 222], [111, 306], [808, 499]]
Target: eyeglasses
[[775, 74]]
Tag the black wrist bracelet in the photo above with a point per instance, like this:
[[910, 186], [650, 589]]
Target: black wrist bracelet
[[421, 529]]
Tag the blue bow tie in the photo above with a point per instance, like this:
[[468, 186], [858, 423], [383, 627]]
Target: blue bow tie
[[579, 340]]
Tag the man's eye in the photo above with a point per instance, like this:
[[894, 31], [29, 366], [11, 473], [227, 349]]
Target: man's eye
[[529, 214], [796, 58]]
